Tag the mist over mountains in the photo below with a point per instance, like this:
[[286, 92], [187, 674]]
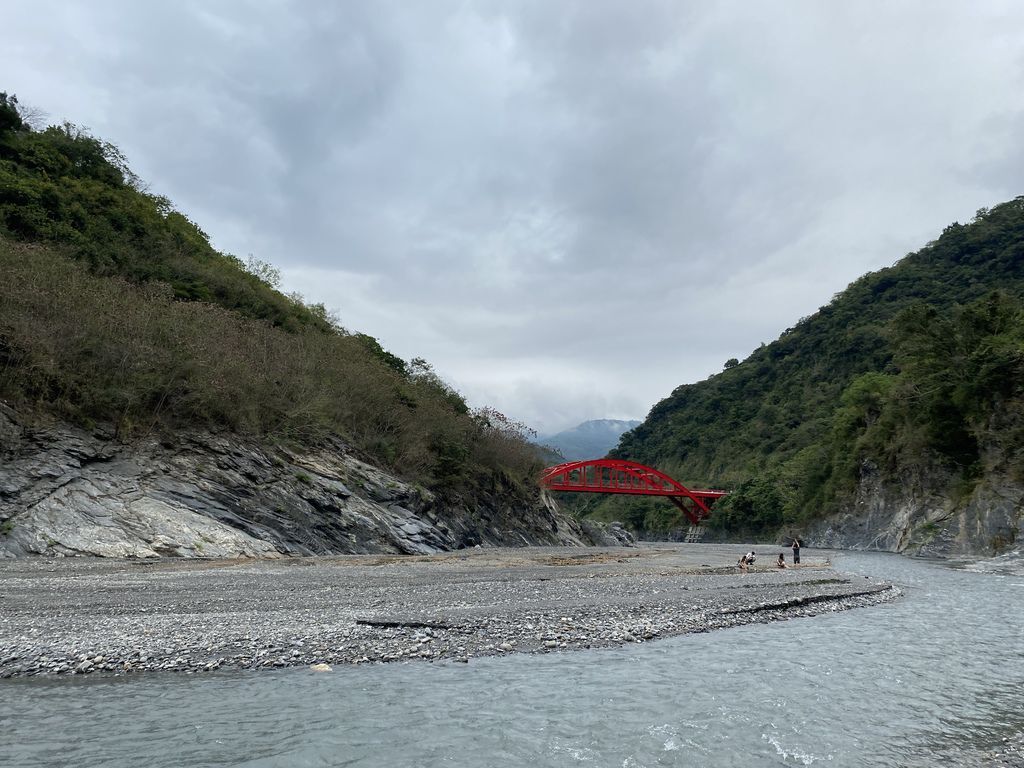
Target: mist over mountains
[[589, 440]]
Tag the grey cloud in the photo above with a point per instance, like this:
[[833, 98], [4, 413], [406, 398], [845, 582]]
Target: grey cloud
[[571, 207]]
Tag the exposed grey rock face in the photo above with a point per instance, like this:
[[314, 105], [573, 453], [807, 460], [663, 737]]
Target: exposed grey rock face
[[923, 513], [607, 534], [66, 491]]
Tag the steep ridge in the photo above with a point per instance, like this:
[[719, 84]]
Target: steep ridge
[[889, 419]]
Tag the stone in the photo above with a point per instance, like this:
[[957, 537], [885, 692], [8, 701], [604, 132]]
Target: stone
[[320, 667]]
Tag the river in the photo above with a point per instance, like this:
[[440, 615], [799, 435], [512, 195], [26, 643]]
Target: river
[[936, 677]]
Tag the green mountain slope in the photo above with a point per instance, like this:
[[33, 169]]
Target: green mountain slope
[[908, 365], [115, 309]]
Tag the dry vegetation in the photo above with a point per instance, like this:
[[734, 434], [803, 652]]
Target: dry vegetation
[[104, 349]]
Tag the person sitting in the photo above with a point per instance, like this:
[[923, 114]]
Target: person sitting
[[781, 562]]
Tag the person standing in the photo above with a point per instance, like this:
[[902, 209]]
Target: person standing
[[796, 551]]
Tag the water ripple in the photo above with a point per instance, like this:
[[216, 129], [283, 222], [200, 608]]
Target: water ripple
[[893, 685]]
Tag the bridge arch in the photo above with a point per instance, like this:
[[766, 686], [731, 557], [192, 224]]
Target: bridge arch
[[628, 477]]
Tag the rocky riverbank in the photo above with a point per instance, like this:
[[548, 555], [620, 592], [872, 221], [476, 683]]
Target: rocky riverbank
[[76, 616], [67, 491]]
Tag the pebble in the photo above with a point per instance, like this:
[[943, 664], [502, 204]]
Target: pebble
[[116, 617]]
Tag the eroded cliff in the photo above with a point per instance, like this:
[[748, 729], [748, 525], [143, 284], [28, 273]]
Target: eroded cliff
[[929, 508], [68, 491]]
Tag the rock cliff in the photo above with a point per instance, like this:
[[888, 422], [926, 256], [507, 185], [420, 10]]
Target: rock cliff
[[67, 491], [929, 512], [929, 507]]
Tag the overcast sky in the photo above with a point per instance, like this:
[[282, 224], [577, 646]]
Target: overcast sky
[[569, 208]]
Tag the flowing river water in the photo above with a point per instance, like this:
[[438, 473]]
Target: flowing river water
[[936, 677]]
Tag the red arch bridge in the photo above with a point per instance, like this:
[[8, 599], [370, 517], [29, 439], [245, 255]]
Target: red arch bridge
[[615, 476]]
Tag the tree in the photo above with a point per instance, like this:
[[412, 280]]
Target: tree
[[264, 271], [10, 115]]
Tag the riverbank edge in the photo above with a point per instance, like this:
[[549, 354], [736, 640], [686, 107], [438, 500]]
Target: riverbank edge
[[395, 611]]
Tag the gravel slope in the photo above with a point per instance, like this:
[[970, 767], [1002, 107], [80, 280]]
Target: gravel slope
[[64, 616]]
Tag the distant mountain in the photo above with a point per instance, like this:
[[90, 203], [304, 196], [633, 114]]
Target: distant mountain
[[589, 440]]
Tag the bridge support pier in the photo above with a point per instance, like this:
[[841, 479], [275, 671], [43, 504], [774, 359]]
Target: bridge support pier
[[694, 515]]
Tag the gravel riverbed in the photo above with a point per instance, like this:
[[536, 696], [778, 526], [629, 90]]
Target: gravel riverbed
[[78, 616]]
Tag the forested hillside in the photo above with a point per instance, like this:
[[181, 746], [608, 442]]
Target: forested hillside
[[917, 365], [115, 309]]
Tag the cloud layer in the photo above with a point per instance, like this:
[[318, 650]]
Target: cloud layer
[[569, 208]]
